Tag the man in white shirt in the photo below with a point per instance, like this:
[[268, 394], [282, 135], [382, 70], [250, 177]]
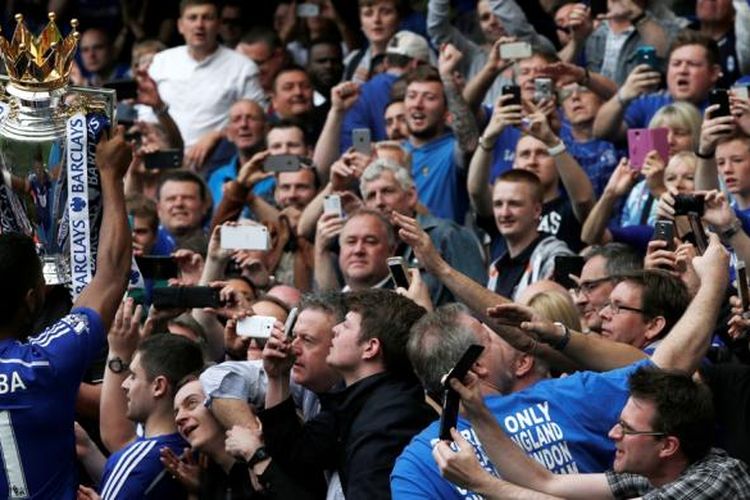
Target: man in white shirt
[[200, 80]]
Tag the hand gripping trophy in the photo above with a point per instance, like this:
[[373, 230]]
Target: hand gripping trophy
[[49, 187]]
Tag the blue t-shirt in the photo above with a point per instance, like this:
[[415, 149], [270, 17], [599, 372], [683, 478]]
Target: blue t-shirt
[[368, 111], [227, 173], [440, 178], [597, 157], [562, 423], [504, 152], [39, 383], [643, 108], [135, 471]]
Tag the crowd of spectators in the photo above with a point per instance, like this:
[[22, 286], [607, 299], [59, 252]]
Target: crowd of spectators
[[312, 210]]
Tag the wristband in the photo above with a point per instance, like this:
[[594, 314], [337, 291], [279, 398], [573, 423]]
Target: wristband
[[727, 234], [259, 455], [563, 342], [557, 149], [704, 156]]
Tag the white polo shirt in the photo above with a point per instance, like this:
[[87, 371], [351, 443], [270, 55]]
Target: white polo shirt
[[200, 93]]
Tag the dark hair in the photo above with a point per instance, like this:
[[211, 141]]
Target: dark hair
[[170, 356], [423, 73], [262, 34], [288, 123], [524, 177], [180, 175], [184, 4], [137, 205], [684, 407], [661, 295], [331, 303], [734, 136], [620, 257], [388, 317], [690, 37], [288, 69], [401, 6], [325, 39], [20, 271]]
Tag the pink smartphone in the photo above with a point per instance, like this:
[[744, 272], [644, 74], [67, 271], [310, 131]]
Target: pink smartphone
[[643, 140]]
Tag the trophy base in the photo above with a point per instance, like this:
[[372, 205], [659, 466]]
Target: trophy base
[[55, 270]]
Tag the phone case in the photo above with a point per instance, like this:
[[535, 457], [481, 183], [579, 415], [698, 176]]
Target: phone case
[[643, 140], [245, 238]]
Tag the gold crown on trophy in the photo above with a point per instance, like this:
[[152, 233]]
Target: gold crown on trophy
[[39, 63]]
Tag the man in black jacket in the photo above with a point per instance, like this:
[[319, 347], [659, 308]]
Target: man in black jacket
[[362, 428]]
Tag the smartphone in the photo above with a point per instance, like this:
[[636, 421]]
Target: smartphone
[[720, 97], [157, 267], [742, 92], [126, 113], [641, 141], [257, 327], [281, 163], [664, 230], [332, 205], [291, 320], [684, 204], [699, 233], [565, 265], [245, 238], [399, 275], [168, 297], [361, 140], [515, 50], [125, 89], [742, 284], [513, 90], [164, 159], [451, 399], [542, 89], [646, 54], [308, 10]]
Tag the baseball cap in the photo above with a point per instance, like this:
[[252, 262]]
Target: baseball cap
[[406, 43]]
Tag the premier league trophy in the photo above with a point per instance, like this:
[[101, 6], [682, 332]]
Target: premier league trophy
[[49, 188]]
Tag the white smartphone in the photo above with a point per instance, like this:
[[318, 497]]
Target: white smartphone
[[257, 327], [332, 205], [361, 140], [308, 10], [741, 91], [245, 238], [515, 50]]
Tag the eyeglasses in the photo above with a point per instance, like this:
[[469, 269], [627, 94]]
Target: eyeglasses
[[618, 308], [626, 430], [586, 287]]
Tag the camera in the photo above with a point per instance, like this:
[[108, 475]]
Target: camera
[[687, 203]]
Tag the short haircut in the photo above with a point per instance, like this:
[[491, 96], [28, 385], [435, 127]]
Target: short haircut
[[367, 212], [684, 407], [184, 4], [20, 271], [401, 6], [735, 136], [691, 37], [687, 157], [387, 316], [137, 205], [375, 169], [423, 73], [661, 295], [289, 68], [620, 257], [262, 34], [436, 343], [331, 303], [679, 115], [180, 175], [288, 123], [519, 175], [147, 46], [326, 39], [274, 300], [394, 146], [171, 356]]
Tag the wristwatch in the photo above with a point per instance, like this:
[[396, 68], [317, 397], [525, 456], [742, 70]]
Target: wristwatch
[[726, 234], [117, 365], [557, 149], [259, 455], [560, 344]]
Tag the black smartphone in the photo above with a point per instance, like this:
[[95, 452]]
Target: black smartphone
[[720, 97], [126, 89], [664, 230], [281, 163], [126, 113], [291, 320], [398, 271], [157, 267], [699, 233], [451, 399], [168, 297], [513, 90], [685, 204], [565, 265], [164, 159], [742, 284]]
